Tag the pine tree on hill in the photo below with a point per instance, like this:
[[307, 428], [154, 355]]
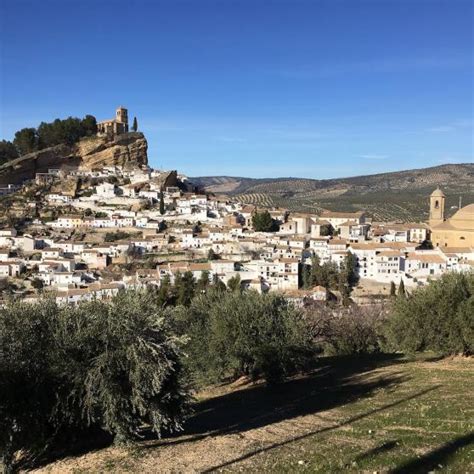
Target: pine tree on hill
[[162, 203], [8, 151]]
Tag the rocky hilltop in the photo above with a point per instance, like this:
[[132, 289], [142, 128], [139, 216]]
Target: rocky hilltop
[[127, 150]]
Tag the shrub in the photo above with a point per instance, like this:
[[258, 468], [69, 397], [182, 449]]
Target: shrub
[[117, 235], [438, 317], [344, 331]]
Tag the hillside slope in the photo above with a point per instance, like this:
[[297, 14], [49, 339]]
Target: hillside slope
[[377, 414], [125, 150], [400, 195]]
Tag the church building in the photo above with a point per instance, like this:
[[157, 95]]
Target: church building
[[114, 126], [458, 231]]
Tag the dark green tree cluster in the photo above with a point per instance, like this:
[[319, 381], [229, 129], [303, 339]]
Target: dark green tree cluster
[[67, 131], [26, 141], [111, 365], [342, 278], [325, 274], [326, 230], [8, 151], [185, 288], [263, 222], [438, 317]]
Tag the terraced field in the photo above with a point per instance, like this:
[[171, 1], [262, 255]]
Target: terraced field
[[400, 196], [380, 206], [258, 199]]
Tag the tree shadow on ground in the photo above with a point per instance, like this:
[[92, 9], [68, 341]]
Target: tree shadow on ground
[[319, 431], [383, 448], [66, 444], [335, 381], [432, 460]]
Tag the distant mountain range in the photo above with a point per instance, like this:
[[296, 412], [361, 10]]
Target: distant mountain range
[[400, 195]]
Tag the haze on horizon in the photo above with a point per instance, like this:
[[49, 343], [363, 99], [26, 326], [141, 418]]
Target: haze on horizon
[[316, 89]]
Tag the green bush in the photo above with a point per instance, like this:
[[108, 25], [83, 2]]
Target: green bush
[[438, 317], [113, 364], [233, 334]]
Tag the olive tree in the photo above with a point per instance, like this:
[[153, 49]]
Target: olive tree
[[113, 365], [436, 317], [28, 377], [234, 334], [126, 363]]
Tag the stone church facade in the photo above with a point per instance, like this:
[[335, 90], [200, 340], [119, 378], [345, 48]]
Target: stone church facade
[[114, 126], [458, 231]]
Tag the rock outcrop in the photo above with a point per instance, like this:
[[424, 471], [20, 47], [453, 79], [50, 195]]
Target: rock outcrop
[[167, 178], [128, 150]]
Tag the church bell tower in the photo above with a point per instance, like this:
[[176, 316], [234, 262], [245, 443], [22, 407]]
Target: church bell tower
[[121, 116], [437, 199]]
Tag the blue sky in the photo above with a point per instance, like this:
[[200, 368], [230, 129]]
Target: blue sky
[[252, 88]]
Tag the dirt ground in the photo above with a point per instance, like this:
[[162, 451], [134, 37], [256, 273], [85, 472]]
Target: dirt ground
[[377, 414]]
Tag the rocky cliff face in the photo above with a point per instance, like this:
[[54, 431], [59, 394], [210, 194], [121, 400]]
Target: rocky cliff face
[[128, 150]]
